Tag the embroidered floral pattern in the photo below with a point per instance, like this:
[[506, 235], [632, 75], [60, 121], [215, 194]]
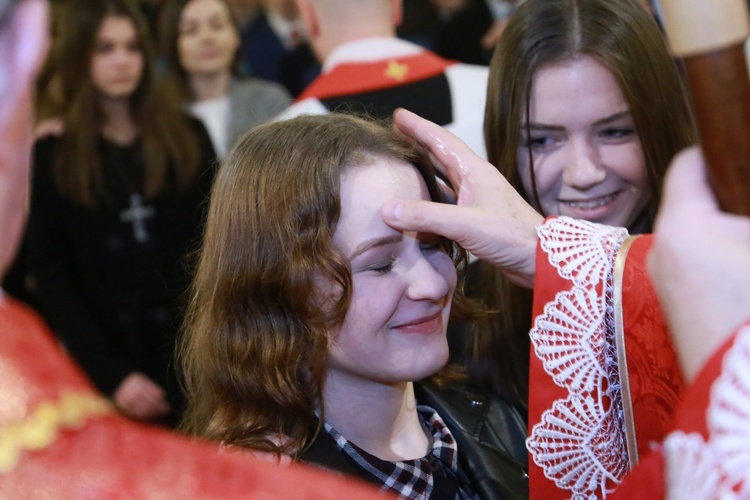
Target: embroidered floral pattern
[[719, 468], [568, 339], [579, 442]]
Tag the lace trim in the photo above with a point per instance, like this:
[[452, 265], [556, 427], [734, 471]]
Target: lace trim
[[40, 429], [580, 442], [719, 467]]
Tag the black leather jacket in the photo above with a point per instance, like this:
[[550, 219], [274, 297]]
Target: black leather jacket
[[489, 432]]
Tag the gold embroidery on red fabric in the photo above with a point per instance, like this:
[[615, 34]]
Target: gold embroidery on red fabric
[[396, 71], [41, 428]]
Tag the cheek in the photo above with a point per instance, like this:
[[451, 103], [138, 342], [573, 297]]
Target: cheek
[[367, 316], [96, 69], [545, 176], [184, 50], [234, 42], [140, 64], [524, 170], [374, 299], [631, 166], [445, 267], [639, 172]]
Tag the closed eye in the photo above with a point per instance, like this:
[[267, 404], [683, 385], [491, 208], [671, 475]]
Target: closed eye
[[431, 246], [383, 267]]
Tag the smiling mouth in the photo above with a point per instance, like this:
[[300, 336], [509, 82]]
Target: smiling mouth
[[590, 204], [423, 325]]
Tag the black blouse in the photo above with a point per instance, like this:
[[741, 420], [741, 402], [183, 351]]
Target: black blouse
[[113, 300]]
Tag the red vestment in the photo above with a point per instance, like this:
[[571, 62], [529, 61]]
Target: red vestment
[[604, 378], [357, 77], [60, 439], [707, 453]]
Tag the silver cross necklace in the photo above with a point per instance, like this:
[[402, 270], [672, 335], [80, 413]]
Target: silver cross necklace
[[137, 213]]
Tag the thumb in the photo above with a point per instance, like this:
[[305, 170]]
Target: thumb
[[426, 217], [686, 183]]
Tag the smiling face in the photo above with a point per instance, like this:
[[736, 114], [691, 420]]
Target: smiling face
[[588, 159], [117, 63], [207, 39], [403, 283]]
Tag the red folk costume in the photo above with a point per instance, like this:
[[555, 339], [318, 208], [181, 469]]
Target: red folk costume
[[604, 378], [60, 439], [707, 454]]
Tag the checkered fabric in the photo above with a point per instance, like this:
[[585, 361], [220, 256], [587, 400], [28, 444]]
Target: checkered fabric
[[437, 475]]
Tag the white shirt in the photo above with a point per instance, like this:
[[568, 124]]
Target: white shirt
[[215, 115], [500, 9]]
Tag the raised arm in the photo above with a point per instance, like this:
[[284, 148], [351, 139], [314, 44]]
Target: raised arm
[[700, 263], [489, 218]]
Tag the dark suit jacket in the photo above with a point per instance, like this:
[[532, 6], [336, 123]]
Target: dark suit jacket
[[461, 37], [264, 56]]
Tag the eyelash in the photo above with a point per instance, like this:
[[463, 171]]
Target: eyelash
[[618, 133], [384, 268], [432, 247], [538, 143]]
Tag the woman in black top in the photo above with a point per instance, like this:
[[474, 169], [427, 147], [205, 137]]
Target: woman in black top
[[116, 204]]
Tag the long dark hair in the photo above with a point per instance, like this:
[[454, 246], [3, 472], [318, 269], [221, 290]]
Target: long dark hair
[[169, 34], [167, 138], [622, 36]]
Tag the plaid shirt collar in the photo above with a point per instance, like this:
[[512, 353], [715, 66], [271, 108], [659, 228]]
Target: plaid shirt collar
[[415, 479]]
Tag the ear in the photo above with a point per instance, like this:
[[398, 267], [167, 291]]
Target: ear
[[309, 17], [397, 12]]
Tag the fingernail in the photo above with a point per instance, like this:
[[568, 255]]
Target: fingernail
[[398, 211], [394, 211]]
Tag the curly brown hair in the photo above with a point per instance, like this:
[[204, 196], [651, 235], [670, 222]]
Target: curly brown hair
[[255, 346]]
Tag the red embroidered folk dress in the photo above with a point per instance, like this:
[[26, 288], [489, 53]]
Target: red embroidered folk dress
[[604, 379]]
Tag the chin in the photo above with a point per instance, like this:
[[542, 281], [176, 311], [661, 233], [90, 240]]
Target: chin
[[424, 367]]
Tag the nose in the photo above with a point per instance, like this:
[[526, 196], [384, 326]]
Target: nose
[[124, 56], [206, 34], [583, 168], [428, 280]]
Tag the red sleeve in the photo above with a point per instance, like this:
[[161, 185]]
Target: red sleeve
[[650, 372], [696, 450]]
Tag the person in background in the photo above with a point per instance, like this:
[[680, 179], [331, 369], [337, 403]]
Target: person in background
[[62, 439], [423, 19], [306, 337], [275, 48], [115, 207], [367, 69], [471, 33], [200, 44], [580, 129], [244, 11]]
